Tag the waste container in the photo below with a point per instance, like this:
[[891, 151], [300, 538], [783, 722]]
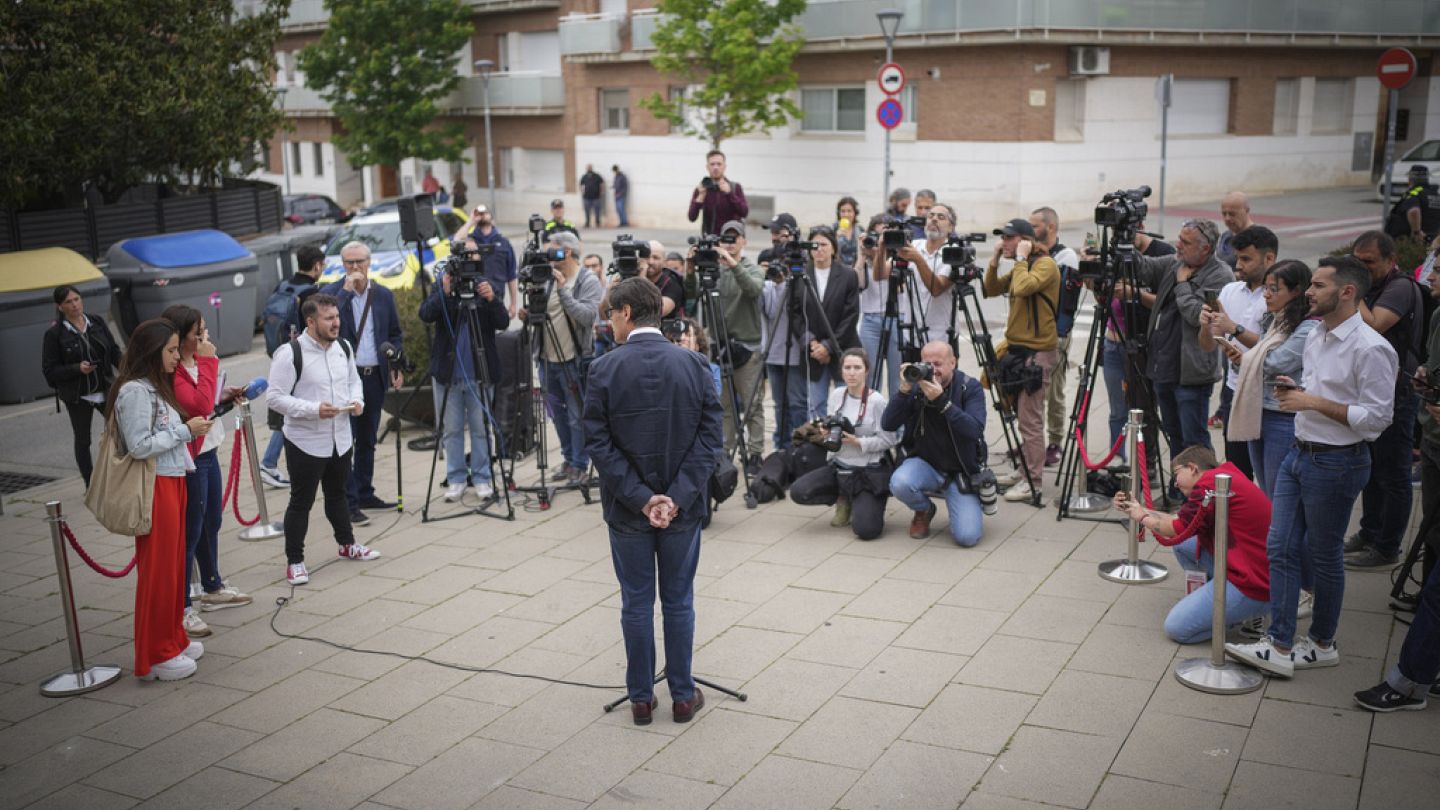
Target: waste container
[[27, 308], [206, 269]]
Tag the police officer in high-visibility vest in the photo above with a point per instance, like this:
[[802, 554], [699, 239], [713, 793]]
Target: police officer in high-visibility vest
[[1416, 215]]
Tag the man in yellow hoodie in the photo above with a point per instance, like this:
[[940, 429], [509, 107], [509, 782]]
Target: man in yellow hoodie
[[1033, 285]]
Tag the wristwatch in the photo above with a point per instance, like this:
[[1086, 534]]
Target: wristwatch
[[1239, 330]]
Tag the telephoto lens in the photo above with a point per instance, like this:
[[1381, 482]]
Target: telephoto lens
[[987, 490], [915, 372]]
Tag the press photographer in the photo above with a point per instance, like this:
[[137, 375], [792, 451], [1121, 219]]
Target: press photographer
[[462, 389], [719, 199], [928, 263], [1028, 355], [942, 412], [857, 478]]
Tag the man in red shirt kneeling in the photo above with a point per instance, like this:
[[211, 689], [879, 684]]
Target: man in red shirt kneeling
[[1247, 591]]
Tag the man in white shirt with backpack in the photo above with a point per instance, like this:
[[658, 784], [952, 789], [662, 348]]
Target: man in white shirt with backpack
[[317, 392]]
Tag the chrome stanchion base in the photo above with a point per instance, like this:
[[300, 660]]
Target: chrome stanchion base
[[71, 683], [1139, 572], [1089, 502], [263, 531], [1226, 679]]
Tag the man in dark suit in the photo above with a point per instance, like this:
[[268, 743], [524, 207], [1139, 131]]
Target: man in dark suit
[[368, 318], [653, 428]]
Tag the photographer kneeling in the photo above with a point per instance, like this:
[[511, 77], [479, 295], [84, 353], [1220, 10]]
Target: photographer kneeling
[[945, 439], [856, 479]]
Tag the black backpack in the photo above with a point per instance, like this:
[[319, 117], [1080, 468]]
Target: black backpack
[[298, 358], [282, 313]]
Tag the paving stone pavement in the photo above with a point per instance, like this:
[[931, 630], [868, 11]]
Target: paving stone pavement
[[895, 673]]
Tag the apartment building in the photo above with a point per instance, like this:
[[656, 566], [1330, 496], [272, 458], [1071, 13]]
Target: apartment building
[[1008, 104]]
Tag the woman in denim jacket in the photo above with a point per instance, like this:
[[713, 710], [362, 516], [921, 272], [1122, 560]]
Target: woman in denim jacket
[[150, 426]]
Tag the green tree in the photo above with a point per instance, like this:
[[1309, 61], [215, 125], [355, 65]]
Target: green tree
[[114, 94], [739, 53], [384, 65]]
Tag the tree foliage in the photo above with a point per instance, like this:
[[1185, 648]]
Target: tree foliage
[[383, 65], [114, 93], [739, 53]]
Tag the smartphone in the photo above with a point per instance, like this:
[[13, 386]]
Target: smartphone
[[1212, 300], [1290, 386]]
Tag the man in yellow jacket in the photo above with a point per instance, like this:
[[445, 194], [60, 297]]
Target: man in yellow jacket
[[1033, 285]]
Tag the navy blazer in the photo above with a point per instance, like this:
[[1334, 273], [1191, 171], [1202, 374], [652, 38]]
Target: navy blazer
[[653, 426], [383, 314]]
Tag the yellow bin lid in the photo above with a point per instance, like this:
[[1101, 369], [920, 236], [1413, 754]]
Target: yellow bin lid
[[44, 268]]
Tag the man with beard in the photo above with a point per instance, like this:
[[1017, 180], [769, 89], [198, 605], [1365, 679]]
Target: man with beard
[[924, 256]]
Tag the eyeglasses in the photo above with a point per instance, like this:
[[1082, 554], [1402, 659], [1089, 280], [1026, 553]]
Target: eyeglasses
[[355, 262], [938, 215]]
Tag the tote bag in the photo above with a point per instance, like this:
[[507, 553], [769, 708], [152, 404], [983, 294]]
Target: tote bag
[[122, 488]]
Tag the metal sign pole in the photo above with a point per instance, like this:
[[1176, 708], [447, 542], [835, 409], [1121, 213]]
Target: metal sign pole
[[1167, 83], [1214, 674], [1389, 154], [79, 679], [263, 528], [1132, 570]]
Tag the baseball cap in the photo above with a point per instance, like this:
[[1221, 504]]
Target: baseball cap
[[733, 225], [557, 203], [1015, 227], [785, 221], [674, 256], [1419, 170]]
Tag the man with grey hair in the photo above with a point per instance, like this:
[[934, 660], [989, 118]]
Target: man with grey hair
[[936, 293], [571, 308], [924, 201], [1183, 374], [671, 285]]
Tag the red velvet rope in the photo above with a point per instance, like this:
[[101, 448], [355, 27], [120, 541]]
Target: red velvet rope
[[232, 484], [99, 569], [1080, 442]]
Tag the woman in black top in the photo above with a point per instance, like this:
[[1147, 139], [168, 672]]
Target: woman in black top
[[79, 359]]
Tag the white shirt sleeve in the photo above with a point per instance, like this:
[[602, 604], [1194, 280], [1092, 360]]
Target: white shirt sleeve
[[1376, 409], [282, 380]]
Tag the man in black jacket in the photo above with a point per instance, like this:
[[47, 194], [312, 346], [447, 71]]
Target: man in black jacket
[[653, 429], [944, 419], [592, 187], [463, 389]]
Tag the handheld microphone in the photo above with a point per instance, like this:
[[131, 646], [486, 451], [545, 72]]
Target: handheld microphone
[[256, 387]]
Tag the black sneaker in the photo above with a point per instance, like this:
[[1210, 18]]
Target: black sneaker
[[1384, 699], [374, 502], [1405, 602], [358, 518], [1356, 542], [1371, 558], [1435, 690]]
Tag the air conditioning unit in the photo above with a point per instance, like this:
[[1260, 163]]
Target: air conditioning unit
[[1089, 60]]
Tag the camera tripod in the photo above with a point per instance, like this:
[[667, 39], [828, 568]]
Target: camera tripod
[[912, 335], [798, 296], [468, 313], [1139, 394], [713, 315], [394, 422]]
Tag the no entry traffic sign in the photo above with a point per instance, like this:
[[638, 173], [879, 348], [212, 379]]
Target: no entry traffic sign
[[1396, 69], [890, 113], [891, 78]]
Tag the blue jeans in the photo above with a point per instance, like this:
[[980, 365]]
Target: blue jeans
[[364, 429], [1419, 664], [671, 556], [203, 513], [1314, 494], [1190, 620], [620, 211], [1385, 504], [871, 327], [914, 481], [819, 392], [272, 450], [464, 408], [1277, 436], [563, 395], [1115, 389], [788, 387], [1184, 414]]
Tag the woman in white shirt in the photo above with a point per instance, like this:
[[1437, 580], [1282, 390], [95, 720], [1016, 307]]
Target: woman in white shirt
[[856, 479]]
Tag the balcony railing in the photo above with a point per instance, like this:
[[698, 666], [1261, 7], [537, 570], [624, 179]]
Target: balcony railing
[[515, 93], [485, 6], [582, 34], [305, 15], [301, 100], [642, 25]]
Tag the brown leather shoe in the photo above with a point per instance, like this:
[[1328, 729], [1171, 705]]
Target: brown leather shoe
[[920, 524], [686, 709], [642, 712]]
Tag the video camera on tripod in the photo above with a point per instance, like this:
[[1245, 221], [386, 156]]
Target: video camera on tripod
[[895, 235], [1120, 213], [789, 258], [535, 274], [626, 256], [707, 256], [466, 268], [958, 255]]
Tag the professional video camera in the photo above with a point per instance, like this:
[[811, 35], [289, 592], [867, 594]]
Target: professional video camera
[[535, 272], [789, 257], [627, 254], [915, 372], [707, 256], [1123, 209], [835, 426], [895, 235], [466, 268], [958, 254]]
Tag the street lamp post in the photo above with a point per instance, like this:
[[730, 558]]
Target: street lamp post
[[889, 25], [284, 139], [485, 67]]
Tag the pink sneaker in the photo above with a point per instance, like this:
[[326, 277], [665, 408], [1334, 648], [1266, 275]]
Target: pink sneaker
[[355, 551]]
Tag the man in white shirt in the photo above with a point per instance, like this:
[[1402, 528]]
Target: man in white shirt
[[1345, 399], [1237, 319], [935, 286], [317, 404]]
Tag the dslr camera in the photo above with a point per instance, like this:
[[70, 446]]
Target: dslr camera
[[915, 372], [958, 254], [627, 254], [466, 267], [835, 426]]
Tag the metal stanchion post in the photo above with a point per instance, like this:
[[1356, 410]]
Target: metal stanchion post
[[1132, 570], [263, 528], [79, 679], [1215, 674]]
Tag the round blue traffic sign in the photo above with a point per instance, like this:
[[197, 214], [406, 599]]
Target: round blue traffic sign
[[890, 113]]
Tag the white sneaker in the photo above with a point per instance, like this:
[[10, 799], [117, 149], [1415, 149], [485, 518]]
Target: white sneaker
[[177, 668], [355, 551], [1010, 479], [273, 478], [195, 627], [194, 651], [453, 492], [1019, 492], [227, 597], [296, 574], [1309, 655], [1263, 655], [484, 490], [1306, 607]]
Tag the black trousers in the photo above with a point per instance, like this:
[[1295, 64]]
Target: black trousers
[[821, 487], [1237, 453], [80, 412], [307, 473], [1429, 531]]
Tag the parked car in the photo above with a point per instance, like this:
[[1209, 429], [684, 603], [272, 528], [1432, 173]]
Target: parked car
[[393, 263], [1426, 154], [314, 209]]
